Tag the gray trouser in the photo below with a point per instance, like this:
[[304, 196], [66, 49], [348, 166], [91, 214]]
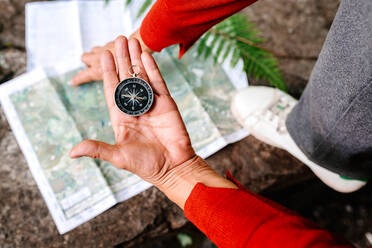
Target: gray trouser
[[332, 123]]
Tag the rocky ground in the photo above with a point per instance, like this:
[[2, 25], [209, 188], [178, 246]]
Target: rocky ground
[[295, 30], [12, 39]]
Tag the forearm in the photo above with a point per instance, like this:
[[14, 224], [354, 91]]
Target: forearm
[[178, 183]]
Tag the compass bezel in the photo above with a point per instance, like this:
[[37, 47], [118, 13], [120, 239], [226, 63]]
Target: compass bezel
[[133, 80]]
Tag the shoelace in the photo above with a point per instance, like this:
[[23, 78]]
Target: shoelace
[[276, 114]]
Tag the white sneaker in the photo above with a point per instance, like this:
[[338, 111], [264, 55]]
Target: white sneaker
[[263, 111]]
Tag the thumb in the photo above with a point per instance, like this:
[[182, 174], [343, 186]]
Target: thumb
[[94, 149]]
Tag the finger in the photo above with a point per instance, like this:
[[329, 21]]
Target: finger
[[122, 57], [154, 74], [90, 58], [135, 57], [86, 76], [95, 149], [96, 49], [110, 78]]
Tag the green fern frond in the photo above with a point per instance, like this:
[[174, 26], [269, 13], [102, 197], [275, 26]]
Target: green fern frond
[[203, 48], [220, 47], [236, 38]]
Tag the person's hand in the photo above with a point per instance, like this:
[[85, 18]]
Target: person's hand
[[156, 145], [137, 35], [149, 145], [91, 59]]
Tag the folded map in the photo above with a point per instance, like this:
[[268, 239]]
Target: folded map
[[48, 116]]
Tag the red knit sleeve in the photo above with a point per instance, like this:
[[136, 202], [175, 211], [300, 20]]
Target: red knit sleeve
[[234, 218], [183, 21]]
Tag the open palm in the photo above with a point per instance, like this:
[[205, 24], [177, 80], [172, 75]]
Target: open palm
[[149, 145]]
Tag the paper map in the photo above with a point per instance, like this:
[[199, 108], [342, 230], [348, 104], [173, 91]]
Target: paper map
[[48, 116]]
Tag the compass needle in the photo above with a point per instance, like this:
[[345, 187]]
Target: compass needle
[[134, 96]]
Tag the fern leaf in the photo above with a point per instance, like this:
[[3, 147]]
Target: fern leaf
[[203, 44], [220, 46], [209, 50], [226, 53], [236, 55], [237, 37]]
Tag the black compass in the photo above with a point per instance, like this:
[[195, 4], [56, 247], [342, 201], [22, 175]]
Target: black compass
[[134, 96]]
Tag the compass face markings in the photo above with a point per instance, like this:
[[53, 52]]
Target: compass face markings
[[134, 96]]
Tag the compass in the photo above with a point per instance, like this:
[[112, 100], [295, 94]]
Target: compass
[[134, 96]]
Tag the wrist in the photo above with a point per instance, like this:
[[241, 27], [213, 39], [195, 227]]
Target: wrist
[[178, 183], [137, 35]]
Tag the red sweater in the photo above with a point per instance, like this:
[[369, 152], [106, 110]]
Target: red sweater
[[184, 21], [239, 218], [230, 218]]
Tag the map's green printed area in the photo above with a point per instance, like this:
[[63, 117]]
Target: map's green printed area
[[87, 106], [52, 133], [56, 116]]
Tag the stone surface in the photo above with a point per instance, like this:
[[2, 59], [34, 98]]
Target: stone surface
[[12, 63], [12, 23], [293, 29], [25, 219], [12, 39], [349, 215]]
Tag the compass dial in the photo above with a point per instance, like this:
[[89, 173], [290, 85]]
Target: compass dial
[[134, 96]]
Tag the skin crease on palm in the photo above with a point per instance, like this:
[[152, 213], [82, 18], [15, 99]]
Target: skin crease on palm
[[155, 146], [159, 136]]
